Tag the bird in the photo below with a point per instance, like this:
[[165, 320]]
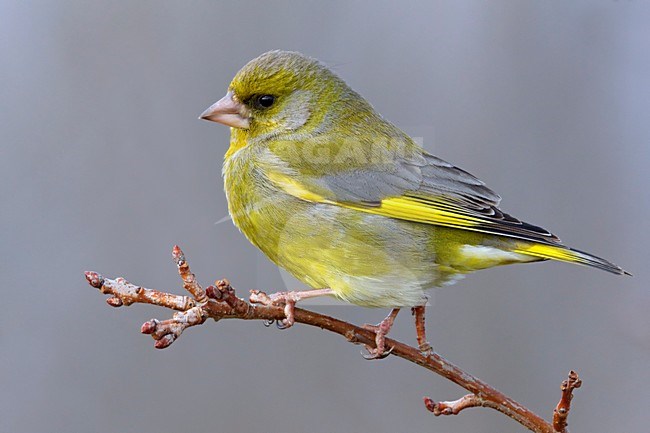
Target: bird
[[351, 205]]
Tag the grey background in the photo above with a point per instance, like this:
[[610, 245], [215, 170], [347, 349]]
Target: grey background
[[105, 166]]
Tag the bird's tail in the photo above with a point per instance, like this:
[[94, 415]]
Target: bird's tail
[[566, 254]]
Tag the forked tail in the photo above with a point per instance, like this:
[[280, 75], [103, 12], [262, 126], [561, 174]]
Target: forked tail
[[565, 254]]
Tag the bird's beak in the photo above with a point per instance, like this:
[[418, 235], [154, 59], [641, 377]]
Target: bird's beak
[[228, 111]]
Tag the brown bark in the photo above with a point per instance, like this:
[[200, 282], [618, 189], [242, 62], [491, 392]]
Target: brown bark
[[220, 302]]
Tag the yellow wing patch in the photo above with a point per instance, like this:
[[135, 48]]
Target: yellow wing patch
[[413, 209], [430, 210]]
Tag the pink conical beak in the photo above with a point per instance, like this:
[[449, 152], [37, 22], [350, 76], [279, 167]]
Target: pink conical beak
[[228, 111]]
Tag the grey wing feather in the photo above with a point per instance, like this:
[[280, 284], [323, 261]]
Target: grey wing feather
[[441, 177], [372, 186], [427, 176], [470, 196]]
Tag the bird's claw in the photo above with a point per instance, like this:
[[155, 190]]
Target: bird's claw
[[373, 354], [283, 324], [286, 299], [380, 330]]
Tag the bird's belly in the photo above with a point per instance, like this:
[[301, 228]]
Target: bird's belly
[[366, 259]]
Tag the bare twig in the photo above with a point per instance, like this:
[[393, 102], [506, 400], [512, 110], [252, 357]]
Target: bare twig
[[189, 280], [454, 407], [220, 302], [563, 407], [125, 293]]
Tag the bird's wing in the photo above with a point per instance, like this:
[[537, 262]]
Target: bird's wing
[[420, 188]]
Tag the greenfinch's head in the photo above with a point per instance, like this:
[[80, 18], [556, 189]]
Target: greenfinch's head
[[278, 92]]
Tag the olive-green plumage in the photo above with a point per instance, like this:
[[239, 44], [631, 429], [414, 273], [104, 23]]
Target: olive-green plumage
[[343, 199]]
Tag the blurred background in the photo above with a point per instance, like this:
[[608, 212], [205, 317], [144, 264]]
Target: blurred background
[[105, 167]]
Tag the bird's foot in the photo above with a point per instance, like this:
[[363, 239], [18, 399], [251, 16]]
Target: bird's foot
[[425, 348], [287, 300], [380, 330], [281, 299]]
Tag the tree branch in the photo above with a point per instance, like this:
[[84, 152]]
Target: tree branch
[[220, 302], [561, 411]]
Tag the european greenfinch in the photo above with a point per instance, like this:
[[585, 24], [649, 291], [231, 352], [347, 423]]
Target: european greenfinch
[[350, 204]]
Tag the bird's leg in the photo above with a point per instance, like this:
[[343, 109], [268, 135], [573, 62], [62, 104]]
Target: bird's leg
[[288, 299], [381, 330], [423, 344]]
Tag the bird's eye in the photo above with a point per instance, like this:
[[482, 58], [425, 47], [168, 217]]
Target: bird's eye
[[264, 101]]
